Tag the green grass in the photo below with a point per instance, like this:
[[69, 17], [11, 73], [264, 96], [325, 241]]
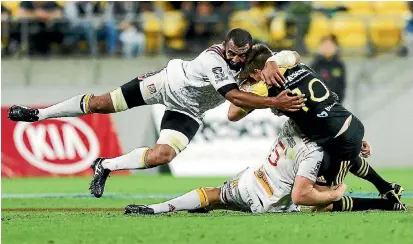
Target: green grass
[[216, 227]]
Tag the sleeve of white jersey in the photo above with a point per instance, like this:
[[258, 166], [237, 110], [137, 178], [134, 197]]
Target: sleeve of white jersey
[[284, 59], [310, 165], [218, 73]]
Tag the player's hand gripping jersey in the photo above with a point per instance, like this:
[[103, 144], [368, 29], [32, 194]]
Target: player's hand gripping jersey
[[195, 86], [268, 187]]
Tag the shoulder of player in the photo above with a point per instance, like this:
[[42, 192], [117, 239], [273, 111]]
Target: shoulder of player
[[216, 49], [213, 59]]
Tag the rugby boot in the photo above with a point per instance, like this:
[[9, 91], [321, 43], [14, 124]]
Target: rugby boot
[[100, 175], [398, 190], [21, 113], [139, 209], [395, 195]]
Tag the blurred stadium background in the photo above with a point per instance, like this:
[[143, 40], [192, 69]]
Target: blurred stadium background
[[54, 50]]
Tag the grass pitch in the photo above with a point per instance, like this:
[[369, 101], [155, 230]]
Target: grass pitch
[[59, 210]]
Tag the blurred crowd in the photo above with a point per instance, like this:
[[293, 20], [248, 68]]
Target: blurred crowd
[[132, 29]]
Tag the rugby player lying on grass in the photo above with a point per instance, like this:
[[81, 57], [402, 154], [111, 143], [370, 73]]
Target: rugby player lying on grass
[[285, 180]]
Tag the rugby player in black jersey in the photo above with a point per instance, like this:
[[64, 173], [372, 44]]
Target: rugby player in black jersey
[[323, 119]]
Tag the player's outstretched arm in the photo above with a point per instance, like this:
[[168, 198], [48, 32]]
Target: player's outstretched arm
[[283, 101], [218, 74], [259, 88], [305, 193]]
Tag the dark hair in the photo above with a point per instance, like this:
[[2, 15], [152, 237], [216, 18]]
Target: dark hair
[[256, 59], [239, 36], [333, 38]]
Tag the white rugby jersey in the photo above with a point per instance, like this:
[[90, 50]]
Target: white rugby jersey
[[290, 155], [192, 86]]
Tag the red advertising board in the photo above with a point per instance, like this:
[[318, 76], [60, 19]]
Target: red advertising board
[[56, 147]]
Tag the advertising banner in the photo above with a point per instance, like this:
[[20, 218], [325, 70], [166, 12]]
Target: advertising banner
[[56, 147]]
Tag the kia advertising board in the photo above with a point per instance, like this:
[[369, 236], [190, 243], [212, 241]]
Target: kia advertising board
[[61, 146]]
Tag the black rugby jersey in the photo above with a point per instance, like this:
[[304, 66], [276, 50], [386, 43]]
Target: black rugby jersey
[[323, 116]]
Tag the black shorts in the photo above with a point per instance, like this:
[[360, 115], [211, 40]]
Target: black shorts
[[132, 93], [183, 123], [333, 170], [340, 154], [348, 145]]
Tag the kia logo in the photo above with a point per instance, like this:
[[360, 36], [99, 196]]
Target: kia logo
[[57, 146]]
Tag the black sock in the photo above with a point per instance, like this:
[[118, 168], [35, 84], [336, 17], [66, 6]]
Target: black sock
[[361, 168], [349, 204]]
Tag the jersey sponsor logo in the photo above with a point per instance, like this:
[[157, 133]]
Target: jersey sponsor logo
[[296, 74], [328, 108], [291, 142], [61, 146], [151, 88], [219, 74], [322, 114], [263, 180], [314, 171]]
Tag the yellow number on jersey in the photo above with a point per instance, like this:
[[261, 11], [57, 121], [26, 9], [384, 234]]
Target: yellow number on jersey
[[312, 96]]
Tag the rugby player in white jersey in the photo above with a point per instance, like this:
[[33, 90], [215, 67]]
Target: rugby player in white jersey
[[187, 88], [285, 180]]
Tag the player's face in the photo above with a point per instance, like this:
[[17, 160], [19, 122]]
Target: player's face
[[236, 55]]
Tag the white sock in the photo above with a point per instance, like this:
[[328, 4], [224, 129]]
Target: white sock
[[132, 160], [192, 200], [67, 108]]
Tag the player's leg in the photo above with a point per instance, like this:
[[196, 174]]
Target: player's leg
[[125, 97], [177, 130], [348, 203], [193, 200], [346, 149], [228, 196], [351, 204], [361, 168]]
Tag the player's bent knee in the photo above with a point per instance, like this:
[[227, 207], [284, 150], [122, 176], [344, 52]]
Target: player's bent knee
[[175, 139]]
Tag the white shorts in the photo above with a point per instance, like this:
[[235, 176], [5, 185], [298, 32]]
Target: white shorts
[[242, 192], [155, 90]]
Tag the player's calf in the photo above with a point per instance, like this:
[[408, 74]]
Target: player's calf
[[100, 104], [159, 155]]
